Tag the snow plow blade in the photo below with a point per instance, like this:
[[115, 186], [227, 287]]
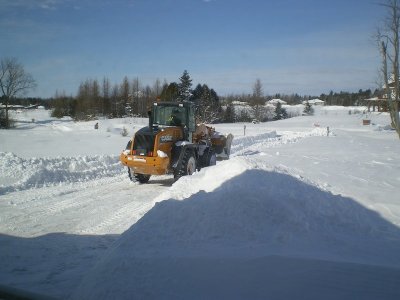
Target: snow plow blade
[[224, 147]]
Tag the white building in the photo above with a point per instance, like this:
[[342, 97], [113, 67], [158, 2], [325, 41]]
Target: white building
[[276, 101], [314, 102]]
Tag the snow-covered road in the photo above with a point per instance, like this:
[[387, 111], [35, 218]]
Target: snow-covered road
[[101, 206]]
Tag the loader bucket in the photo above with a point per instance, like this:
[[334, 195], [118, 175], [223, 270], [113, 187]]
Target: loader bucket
[[226, 151]]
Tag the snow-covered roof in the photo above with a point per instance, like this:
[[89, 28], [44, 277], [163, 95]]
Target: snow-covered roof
[[314, 101], [276, 101], [13, 106], [19, 106], [239, 103]]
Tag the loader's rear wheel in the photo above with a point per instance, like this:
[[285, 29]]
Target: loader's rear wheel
[[207, 159], [142, 178], [188, 165]]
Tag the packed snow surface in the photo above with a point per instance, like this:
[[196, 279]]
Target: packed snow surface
[[305, 208]]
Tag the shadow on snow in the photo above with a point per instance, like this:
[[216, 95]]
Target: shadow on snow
[[53, 264], [259, 235]]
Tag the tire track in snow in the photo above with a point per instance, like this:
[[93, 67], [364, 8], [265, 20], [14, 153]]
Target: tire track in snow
[[138, 199], [107, 206], [118, 218]]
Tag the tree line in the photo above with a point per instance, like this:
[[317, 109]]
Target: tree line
[[96, 98], [130, 98], [101, 98]]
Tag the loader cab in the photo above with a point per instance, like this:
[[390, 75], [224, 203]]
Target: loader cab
[[165, 114]]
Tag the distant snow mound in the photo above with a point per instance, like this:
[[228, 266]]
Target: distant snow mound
[[19, 174]]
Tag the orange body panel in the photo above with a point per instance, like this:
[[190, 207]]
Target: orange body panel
[[159, 163], [145, 164]]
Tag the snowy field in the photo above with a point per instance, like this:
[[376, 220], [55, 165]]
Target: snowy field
[[300, 211]]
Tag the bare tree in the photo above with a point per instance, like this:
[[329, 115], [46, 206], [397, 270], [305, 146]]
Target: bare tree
[[258, 89], [157, 88], [14, 81], [257, 100], [114, 101], [136, 97], [388, 38], [124, 92], [105, 104]]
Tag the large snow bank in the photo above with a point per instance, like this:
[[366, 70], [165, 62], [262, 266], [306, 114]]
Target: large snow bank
[[205, 244]]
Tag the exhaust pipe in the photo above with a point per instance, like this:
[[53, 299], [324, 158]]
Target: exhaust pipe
[[150, 120]]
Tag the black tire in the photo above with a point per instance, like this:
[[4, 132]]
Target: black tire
[[142, 178], [187, 167], [209, 158]]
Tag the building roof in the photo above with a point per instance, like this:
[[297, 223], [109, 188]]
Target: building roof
[[276, 101], [314, 101]]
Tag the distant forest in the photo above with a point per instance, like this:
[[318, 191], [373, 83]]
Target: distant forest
[[96, 99]]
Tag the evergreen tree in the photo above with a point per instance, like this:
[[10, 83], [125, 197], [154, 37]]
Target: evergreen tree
[[280, 112], [229, 114], [196, 93], [244, 116], [184, 87], [206, 100], [308, 110], [170, 92]]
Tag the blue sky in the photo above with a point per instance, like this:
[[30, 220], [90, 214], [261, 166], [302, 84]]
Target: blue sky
[[293, 46]]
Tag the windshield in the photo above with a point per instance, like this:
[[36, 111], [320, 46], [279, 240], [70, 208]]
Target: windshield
[[169, 115]]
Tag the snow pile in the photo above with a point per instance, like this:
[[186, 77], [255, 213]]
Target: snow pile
[[245, 215], [186, 186], [19, 174], [251, 144]]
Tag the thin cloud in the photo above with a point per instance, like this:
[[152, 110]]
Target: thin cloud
[[33, 4], [48, 4]]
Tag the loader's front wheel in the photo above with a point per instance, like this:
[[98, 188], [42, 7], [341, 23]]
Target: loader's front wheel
[[142, 178], [188, 166]]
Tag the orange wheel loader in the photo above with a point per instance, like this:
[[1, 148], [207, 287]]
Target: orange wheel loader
[[172, 143]]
